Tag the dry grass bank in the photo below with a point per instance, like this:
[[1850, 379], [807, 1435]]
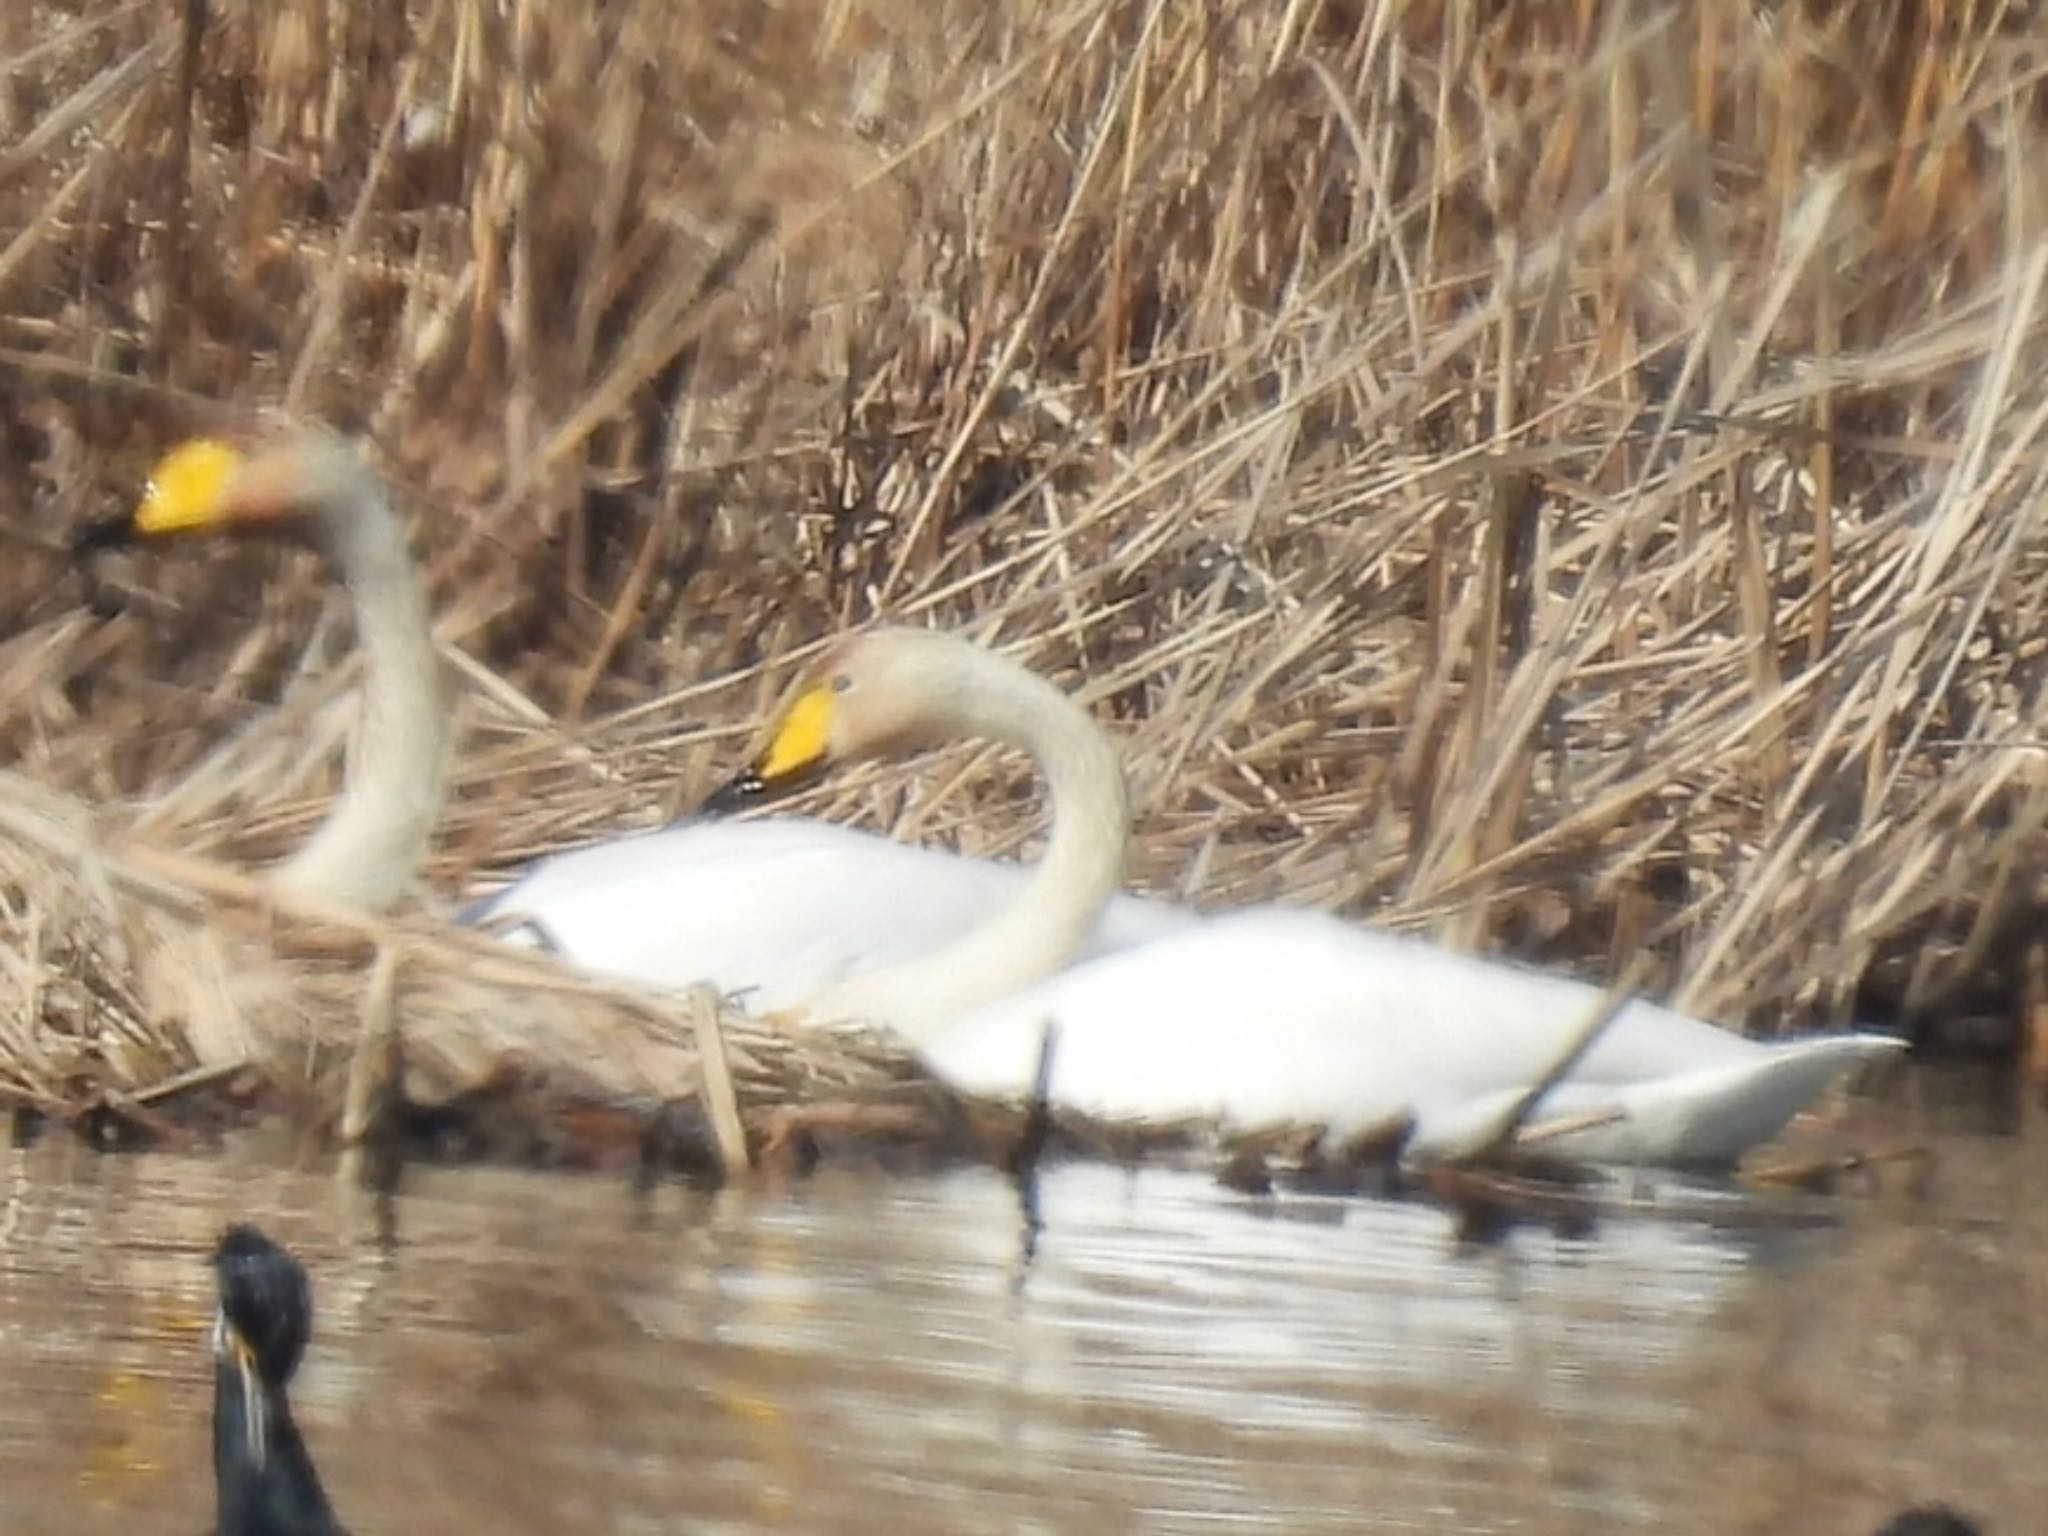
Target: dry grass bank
[[1561, 474]]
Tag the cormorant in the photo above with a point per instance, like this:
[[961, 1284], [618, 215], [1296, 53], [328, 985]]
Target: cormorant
[[264, 1481]]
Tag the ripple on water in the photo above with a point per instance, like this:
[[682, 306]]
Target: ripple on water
[[535, 1352]]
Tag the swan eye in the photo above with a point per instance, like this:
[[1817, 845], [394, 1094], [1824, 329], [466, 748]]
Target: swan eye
[[842, 683]]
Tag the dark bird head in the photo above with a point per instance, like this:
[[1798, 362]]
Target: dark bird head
[[266, 1306], [1931, 1520], [264, 1480]]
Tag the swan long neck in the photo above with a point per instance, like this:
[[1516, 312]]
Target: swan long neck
[[373, 839], [1047, 922]]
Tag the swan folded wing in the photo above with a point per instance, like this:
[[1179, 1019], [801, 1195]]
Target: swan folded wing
[[777, 910], [1709, 1116]]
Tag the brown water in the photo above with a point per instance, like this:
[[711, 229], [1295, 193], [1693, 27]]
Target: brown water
[[549, 1353]]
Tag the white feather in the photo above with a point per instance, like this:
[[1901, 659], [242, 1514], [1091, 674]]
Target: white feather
[[781, 910], [1277, 1015]]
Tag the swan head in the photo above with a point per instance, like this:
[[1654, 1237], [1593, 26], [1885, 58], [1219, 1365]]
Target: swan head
[[876, 694], [275, 481]]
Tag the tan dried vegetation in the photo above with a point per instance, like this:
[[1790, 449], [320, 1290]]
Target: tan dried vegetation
[[1563, 475]]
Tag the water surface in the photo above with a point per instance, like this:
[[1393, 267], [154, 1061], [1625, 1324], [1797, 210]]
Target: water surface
[[544, 1352]]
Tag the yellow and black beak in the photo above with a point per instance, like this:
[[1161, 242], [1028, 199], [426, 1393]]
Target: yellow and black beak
[[796, 755], [187, 493]]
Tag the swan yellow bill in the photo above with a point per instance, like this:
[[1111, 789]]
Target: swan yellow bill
[[803, 739], [795, 753], [187, 491]]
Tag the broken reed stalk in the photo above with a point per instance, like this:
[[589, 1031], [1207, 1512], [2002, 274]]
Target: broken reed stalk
[[1501, 1139], [719, 1097], [377, 1066], [1021, 1159], [177, 187]]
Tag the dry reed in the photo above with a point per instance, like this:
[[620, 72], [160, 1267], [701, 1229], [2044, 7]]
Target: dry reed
[[1562, 475]]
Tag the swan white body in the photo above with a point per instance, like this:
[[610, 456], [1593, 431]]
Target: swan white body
[[1262, 1017], [779, 911], [1277, 1015]]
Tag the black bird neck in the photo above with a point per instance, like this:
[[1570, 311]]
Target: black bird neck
[[264, 1479]]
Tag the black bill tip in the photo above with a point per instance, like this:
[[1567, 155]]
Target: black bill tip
[[102, 533], [736, 794]]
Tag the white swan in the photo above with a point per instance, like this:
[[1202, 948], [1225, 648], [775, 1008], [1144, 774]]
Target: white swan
[[371, 843], [780, 909], [789, 911], [1264, 1016], [893, 690]]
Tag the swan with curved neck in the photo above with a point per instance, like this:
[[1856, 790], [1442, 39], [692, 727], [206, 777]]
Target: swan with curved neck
[[775, 909], [786, 911], [1267, 1015], [372, 841], [895, 690]]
